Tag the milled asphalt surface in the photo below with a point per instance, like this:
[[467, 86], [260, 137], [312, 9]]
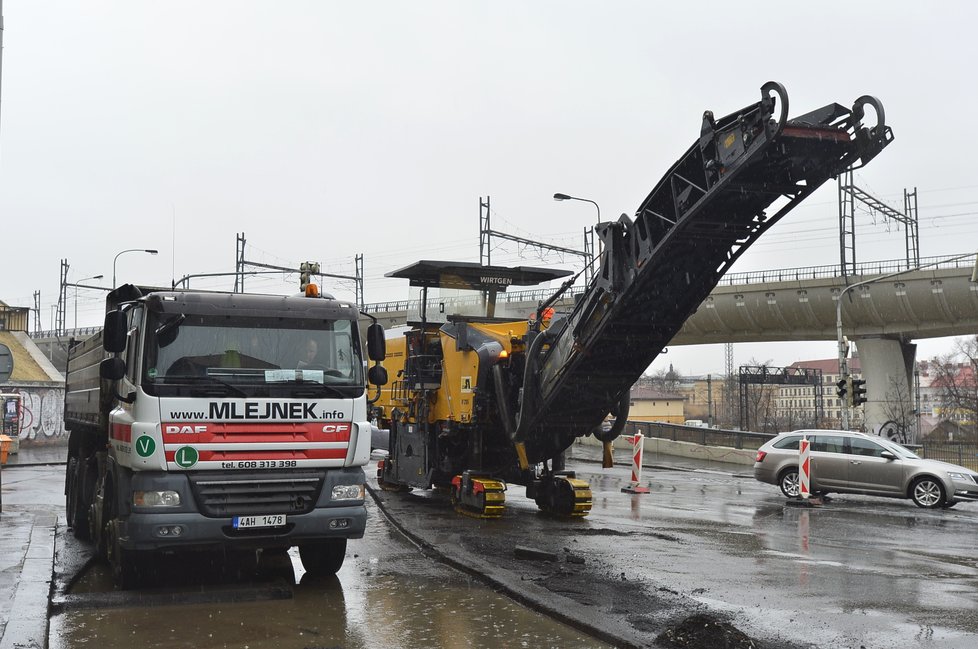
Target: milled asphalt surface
[[549, 568]]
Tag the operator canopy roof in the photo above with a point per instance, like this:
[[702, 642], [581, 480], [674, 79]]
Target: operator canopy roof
[[473, 276]]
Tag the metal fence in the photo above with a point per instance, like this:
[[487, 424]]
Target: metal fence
[[698, 435], [962, 453]]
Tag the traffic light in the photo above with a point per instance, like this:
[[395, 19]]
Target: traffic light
[[306, 270], [842, 389], [858, 392]]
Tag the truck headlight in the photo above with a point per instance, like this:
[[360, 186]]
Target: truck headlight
[[156, 499], [347, 492]]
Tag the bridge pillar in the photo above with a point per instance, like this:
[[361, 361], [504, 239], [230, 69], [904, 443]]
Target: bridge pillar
[[886, 364]]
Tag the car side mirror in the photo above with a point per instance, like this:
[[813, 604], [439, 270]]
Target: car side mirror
[[888, 455]]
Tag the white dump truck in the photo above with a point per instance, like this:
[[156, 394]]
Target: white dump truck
[[205, 420]]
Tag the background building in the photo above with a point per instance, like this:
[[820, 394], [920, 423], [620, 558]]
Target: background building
[[38, 387]]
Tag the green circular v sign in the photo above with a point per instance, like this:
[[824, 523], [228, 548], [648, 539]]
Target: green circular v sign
[[186, 457], [145, 446]]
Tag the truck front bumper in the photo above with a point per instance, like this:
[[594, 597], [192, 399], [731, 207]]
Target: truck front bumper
[[209, 504], [185, 530]]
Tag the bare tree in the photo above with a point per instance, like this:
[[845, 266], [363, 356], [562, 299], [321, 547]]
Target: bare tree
[[666, 380], [955, 379], [900, 414]]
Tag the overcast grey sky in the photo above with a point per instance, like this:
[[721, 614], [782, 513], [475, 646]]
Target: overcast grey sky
[[322, 130]]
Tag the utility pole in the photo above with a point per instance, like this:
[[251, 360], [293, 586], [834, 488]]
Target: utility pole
[[239, 263], [729, 384], [59, 326], [709, 400], [1, 57], [37, 313]]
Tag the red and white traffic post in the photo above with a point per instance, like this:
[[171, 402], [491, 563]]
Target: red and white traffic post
[[634, 486], [804, 469]]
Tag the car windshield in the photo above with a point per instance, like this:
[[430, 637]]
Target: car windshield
[[211, 353], [898, 450]]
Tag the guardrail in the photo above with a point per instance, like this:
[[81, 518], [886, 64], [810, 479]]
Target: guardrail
[[698, 435]]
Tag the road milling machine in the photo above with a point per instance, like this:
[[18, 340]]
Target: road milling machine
[[477, 401]]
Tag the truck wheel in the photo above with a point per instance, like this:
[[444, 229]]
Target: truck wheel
[[76, 504], [127, 565], [101, 515], [322, 558], [71, 494]]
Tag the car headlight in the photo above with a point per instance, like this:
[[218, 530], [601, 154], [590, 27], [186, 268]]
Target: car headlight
[[961, 477], [347, 492]]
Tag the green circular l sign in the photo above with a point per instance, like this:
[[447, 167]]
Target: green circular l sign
[[145, 446], [186, 457]]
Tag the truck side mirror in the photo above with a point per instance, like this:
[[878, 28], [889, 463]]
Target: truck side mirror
[[113, 368], [377, 375], [114, 332], [376, 344]]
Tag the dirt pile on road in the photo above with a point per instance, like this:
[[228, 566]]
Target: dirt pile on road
[[704, 632]]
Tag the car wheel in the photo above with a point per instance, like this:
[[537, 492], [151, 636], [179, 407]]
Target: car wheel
[[788, 481], [927, 492]]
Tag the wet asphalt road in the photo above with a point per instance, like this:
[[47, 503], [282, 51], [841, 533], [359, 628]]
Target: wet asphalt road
[[856, 572], [387, 594]]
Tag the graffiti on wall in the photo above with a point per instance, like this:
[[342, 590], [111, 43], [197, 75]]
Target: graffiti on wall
[[41, 414]]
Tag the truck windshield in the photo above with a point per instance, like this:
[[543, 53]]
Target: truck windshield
[[251, 357]]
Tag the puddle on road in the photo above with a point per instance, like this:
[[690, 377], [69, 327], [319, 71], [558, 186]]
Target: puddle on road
[[386, 595]]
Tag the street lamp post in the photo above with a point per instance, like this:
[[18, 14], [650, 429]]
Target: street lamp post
[[590, 231], [76, 294], [566, 197], [844, 348], [152, 252]]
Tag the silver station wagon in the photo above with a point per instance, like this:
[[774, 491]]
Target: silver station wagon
[[857, 463]]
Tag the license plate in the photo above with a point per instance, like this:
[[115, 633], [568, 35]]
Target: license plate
[[260, 520]]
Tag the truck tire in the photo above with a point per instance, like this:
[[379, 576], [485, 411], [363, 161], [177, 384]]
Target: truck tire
[[128, 566], [76, 503], [322, 558], [71, 494]]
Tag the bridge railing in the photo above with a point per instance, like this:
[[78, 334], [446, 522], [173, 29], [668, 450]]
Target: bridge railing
[[829, 271], [730, 279], [78, 332]]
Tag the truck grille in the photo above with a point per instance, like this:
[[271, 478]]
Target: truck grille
[[219, 495]]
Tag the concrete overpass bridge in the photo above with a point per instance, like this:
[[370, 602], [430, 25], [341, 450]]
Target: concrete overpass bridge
[[786, 304], [882, 318]]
